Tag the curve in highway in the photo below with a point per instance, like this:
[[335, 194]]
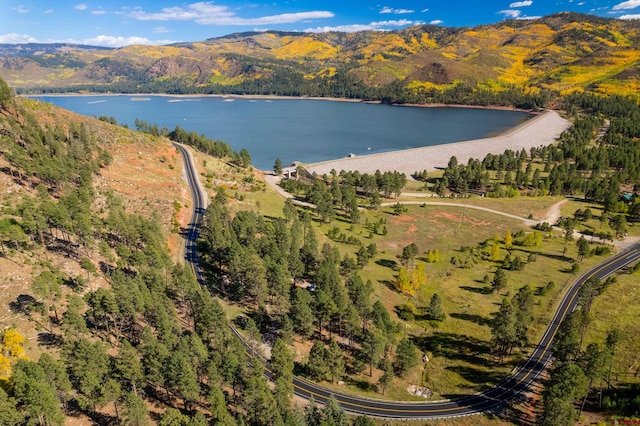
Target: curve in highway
[[512, 386]]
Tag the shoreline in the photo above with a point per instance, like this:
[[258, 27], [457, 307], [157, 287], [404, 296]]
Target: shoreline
[[200, 95], [541, 130], [284, 97]]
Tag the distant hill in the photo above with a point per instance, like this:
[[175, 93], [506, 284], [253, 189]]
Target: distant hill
[[40, 49], [557, 54]]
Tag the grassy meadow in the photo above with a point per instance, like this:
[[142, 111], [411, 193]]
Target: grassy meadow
[[619, 307], [459, 349]]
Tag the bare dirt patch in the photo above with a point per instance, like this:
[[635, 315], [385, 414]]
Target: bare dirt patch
[[147, 175]]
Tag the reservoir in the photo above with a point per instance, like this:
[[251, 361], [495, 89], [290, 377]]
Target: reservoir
[[299, 129]]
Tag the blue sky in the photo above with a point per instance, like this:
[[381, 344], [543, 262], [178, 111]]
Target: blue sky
[[118, 23]]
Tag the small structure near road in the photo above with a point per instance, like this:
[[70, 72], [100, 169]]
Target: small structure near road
[[290, 171]]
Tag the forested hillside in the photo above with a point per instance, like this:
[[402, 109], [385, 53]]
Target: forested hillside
[[524, 63], [103, 326]]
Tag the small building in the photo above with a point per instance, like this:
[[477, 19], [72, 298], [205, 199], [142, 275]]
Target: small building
[[290, 171]]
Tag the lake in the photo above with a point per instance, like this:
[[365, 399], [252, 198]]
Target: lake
[[300, 129]]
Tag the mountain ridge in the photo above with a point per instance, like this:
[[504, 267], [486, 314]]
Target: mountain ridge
[[558, 54]]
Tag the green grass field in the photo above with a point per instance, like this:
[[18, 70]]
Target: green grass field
[[619, 307], [459, 347], [245, 190], [520, 206]]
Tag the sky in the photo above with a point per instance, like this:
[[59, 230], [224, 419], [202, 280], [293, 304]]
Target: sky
[[117, 23]]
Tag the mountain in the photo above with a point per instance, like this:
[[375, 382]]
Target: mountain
[[560, 53], [39, 49]]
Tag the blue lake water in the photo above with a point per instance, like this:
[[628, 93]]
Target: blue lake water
[[300, 129]]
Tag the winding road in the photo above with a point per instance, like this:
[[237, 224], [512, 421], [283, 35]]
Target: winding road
[[512, 386]]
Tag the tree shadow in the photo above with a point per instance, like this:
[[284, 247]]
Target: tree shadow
[[390, 285], [74, 410], [75, 284], [104, 267], [300, 370], [343, 219], [25, 304], [50, 340], [158, 396], [387, 263], [156, 417], [540, 290], [476, 375], [517, 415], [478, 290], [455, 347], [471, 317], [363, 385], [64, 248], [549, 255]]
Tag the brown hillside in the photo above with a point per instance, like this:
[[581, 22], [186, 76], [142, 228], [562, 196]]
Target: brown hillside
[[145, 172]]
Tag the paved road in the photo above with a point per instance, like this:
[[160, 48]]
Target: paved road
[[199, 206], [512, 386]]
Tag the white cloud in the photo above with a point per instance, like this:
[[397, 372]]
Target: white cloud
[[397, 23], [80, 6], [523, 3], [436, 22], [396, 11], [119, 41], [48, 11], [101, 40], [511, 13], [378, 26], [14, 38], [206, 13], [21, 9], [424, 10], [528, 18], [161, 30], [98, 12], [630, 17], [625, 5], [582, 3], [352, 28]]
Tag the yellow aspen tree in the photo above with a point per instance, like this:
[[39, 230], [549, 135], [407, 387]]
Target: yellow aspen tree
[[11, 351], [418, 277], [5, 369], [403, 282], [508, 240], [433, 256], [12, 342], [430, 256], [495, 251]]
